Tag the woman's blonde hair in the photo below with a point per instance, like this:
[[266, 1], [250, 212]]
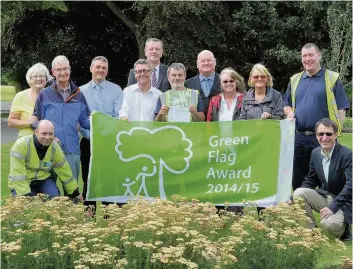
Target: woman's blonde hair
[[239, 80], [263, 70]]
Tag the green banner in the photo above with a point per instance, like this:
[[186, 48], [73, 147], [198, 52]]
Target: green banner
[[216, 162]]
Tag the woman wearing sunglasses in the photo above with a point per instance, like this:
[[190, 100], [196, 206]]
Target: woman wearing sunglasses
[[23, 103], [261, 101], [226, 106]]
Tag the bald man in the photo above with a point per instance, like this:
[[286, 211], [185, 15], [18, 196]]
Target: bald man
[[31, 160], [207, 81]]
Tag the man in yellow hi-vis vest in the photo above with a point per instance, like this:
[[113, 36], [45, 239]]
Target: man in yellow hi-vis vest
[[311, 95], [180, 103], [31, 160]]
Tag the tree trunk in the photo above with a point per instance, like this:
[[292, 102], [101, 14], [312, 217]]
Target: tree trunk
[[132, 25]]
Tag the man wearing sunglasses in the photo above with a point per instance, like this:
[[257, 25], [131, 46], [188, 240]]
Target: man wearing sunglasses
[[311, 95], [330, 170]]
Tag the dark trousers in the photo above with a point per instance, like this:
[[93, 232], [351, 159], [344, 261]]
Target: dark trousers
[[85, 158], [304, 145], [85, 147], [46, 186]]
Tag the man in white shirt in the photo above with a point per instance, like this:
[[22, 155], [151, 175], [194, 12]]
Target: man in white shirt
[[140, 99]]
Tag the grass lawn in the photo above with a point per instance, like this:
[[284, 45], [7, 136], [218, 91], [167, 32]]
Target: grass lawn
[[7, 93], [327, 258]]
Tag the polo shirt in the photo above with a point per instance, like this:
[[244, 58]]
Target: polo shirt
[[311, 100]]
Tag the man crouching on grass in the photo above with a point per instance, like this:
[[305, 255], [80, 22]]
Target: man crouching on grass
[[330, 170], [31, 160]]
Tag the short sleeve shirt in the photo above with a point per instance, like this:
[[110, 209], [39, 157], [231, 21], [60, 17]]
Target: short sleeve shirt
[[23, 105], [311, 100]]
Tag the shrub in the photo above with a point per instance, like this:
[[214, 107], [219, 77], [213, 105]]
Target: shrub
[[347, 125], [163, 234]]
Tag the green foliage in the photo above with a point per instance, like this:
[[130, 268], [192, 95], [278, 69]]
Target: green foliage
[[186, 27], [347, 125], [339, 18]]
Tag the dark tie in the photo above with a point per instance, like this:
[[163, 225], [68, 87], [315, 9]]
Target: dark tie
[[154, 78]]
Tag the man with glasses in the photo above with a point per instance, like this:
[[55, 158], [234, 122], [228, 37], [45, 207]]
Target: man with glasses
[[154, 53], [140, 99], [311, 95], [207, 81], [330, 170], [65, 106]]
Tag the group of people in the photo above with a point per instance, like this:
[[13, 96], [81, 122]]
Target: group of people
[[59, 115]]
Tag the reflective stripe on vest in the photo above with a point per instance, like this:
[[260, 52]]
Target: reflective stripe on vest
[[17, 178], [17, 155], [67, 181], [330, 80], [40, 168], [59, 164]]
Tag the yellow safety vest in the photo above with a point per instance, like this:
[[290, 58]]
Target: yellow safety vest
[[330, 80], [26, 166], [187, 96]]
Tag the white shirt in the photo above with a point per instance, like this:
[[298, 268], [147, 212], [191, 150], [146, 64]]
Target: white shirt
[[157, 73], [139, 106], [326, 161], [226, 114]]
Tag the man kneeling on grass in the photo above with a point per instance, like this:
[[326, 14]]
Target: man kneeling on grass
[[330, 170], [31, 160]]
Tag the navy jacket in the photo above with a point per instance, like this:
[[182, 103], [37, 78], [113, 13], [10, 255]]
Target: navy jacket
[[194, 83], [339, 184]]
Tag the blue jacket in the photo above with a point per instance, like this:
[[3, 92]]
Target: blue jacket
[[64, 114]]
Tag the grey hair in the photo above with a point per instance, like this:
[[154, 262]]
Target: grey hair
[[311, 45], [327, 123], [99, 58], [35, 69], [177, 66], [152, 39], [142, 61], [61, 59]]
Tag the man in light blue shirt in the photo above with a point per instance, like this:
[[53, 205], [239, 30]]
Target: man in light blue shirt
[[103, 96]]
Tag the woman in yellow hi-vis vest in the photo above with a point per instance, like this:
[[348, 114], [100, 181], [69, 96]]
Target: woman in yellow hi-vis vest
[[311, 95], [179, 104]]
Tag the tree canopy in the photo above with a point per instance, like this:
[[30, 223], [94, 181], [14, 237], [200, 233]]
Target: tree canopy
[[240, 34]]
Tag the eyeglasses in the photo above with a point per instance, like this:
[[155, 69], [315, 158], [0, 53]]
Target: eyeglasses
[[257, 77], [228, 81], [67, 68], [144, 71], [38, 77], [322, 134]]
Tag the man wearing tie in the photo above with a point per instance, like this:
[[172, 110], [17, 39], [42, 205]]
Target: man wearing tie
[[103, 96], [154, 52], [207, 81]]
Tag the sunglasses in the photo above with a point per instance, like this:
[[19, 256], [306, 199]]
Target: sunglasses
[[228, 81], [322, 134], [257, 77]]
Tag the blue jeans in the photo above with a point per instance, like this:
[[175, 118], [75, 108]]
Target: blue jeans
[[74, 161], [46, 186]]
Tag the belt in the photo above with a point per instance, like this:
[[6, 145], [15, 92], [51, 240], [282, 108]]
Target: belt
[[305, 132]]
